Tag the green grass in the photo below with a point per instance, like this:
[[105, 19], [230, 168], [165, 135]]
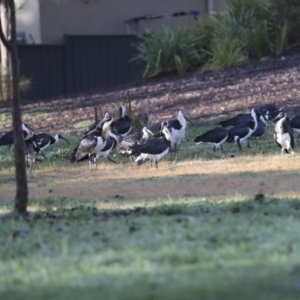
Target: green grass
[[82, 124], [186, 151], [55, 153], [35, 114], [192, 248], [185, 248]]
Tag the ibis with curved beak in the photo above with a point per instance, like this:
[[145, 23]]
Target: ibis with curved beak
[[44, 140]]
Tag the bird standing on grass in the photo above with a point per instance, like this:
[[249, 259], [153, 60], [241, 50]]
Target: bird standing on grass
[[44, 140], [133, 139], [111, 141], [92, 143], [154, 148], [31, 150], [241, 132], [261, 130], [177, 129], [283, 134], [215, 137]]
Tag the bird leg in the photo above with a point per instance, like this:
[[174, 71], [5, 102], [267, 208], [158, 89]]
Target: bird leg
[[43, 154], [90, 162], [174, 152], [239, 144], [156, 163], [29, 162]]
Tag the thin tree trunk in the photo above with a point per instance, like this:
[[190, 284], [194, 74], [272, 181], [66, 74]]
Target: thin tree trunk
[[21, 197]]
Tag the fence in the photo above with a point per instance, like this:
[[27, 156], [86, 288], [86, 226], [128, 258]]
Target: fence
[[82, 63]]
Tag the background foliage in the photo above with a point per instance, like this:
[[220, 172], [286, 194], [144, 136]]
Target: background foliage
[[247, 29]]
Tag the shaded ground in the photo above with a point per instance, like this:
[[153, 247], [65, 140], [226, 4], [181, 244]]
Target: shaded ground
[[200, 96]]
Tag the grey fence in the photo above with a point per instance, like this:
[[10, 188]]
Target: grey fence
[[81, 64]]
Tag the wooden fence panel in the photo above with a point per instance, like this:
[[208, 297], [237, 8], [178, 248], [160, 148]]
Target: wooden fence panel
[[83, 63], [44, 66]]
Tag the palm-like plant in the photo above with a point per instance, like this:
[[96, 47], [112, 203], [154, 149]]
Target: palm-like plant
[[173, 50]]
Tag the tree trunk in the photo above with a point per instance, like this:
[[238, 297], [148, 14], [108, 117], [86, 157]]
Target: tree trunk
[[21, 197]]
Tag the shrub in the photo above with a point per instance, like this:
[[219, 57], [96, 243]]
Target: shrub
[[280, 38], [265, 30], [259, 44], [246, 13], [257, 28], [173, 50], [288, 13], [225, 52], [206, 29]]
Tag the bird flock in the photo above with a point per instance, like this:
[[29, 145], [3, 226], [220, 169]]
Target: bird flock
[[33, 144], [254, 125], [108, 136]]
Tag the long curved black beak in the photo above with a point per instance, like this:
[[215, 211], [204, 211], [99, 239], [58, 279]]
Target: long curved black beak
[[30, 128], [64, 139], [189, 120]]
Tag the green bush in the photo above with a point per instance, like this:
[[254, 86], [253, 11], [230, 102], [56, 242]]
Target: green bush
[[173, 50], [225, 52], [257, 28], [246, 13], [288, 12], [259, 44], [258, 19], [205, 28], [280, 38]]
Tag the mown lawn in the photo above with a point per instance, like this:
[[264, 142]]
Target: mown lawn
[[185, 247], [172, 249]]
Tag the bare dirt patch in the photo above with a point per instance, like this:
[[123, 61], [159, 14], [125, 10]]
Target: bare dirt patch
[[247, 176]]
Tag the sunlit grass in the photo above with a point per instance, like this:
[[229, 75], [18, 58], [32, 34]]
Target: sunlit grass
[[82, 124], [186, 248], [192, 229], [34, 114]]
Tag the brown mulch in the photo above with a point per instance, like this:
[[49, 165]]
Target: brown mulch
[[199, 95]]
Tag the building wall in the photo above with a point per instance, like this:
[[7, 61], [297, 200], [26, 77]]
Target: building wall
[[216, 6], [108, 17], [28, 21]]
